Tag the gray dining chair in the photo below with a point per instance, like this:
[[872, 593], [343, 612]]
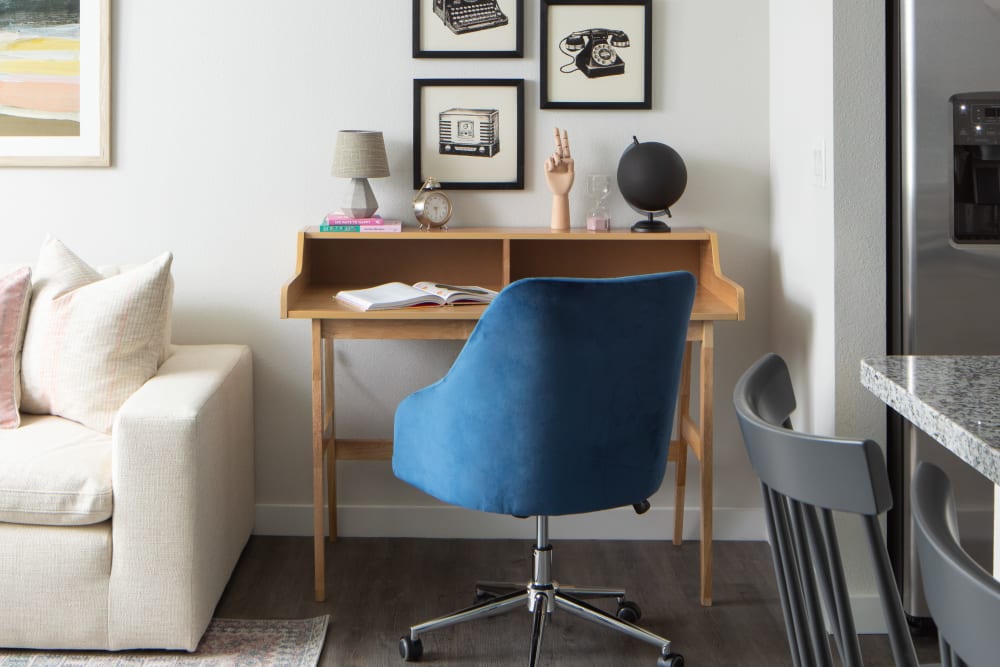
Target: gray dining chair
[[963, 598], [805, 478]]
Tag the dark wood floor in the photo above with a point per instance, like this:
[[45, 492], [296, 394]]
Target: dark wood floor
[[377, 588]]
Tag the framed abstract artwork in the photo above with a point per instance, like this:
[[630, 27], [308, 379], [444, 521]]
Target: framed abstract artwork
[[55, 83], [469, 133], [596, 54], [468, 28]]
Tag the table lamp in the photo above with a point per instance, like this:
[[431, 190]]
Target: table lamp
[[360, 155]]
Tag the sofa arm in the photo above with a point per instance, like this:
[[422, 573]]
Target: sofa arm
[[182, 476]]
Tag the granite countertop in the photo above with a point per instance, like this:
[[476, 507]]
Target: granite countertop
[[954, 399]]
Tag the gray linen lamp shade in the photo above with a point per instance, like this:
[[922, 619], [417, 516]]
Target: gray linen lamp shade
[[360, 155]]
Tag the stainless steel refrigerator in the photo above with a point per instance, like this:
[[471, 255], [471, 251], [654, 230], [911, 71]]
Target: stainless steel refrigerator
[[944, 234]]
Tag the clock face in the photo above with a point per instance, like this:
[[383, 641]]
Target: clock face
[[437, 208]]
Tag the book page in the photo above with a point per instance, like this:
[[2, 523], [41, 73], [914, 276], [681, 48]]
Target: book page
[[457, 293], [389, 295]]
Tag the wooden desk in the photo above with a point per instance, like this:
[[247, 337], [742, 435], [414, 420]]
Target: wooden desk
[[493, 257]]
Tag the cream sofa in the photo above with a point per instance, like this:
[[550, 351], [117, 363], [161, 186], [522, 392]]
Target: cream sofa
[[176, 474]]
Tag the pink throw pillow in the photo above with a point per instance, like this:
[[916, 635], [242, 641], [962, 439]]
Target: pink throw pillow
[[15, 295]]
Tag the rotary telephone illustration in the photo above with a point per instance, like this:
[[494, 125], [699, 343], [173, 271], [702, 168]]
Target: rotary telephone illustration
[[593, 52]]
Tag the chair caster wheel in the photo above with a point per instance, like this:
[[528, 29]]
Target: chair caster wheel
[[670, 660], [628, 611], [410, 650]]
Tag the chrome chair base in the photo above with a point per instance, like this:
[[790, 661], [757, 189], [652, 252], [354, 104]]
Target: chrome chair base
[[543, 596]]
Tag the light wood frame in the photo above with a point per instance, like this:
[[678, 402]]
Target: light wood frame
[[97, 134]]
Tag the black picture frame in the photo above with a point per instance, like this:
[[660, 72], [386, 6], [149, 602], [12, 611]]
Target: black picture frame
[[436, 37], [462, 133], [582, 39]]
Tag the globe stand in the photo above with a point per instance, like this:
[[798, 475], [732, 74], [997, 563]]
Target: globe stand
[[651, 226]]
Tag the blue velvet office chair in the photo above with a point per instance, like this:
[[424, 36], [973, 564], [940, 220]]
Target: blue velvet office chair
[[964, 599], [561, 402]]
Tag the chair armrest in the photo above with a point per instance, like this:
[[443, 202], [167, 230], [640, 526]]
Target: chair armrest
[[182, 476]]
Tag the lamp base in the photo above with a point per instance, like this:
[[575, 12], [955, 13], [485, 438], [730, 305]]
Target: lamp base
[[360, 200], [651, 226]]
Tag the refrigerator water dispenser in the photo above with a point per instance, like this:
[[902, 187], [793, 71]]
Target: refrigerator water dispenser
[[976, 168]]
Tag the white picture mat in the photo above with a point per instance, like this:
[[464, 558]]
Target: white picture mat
[[502, 167], [575, 86], [435, 35], [89, 147]]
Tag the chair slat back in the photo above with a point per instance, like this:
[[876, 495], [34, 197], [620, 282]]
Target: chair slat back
[[963, 598], [805, 478]]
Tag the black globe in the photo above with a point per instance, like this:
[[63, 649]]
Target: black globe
[[651, 178]]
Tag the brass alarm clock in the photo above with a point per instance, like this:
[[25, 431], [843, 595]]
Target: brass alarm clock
[[431, 206]]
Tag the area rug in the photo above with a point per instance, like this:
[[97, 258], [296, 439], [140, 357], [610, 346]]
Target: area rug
[[227, 643]]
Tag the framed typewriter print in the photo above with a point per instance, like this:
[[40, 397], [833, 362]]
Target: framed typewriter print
[[596, 54], [468, 28], [469, 133], [54, 83]]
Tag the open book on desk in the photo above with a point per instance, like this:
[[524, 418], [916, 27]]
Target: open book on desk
[[424, 293]]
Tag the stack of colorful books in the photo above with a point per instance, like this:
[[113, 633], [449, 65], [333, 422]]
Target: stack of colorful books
[[334, 222]]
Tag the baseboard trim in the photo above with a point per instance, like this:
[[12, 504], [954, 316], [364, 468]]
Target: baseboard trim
[[443, 521]]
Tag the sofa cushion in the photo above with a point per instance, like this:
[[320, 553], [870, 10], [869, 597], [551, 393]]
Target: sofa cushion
[[91, 341], [15, 295], [54, 472]]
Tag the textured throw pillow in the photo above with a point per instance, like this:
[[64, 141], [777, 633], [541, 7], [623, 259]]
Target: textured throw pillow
[[91, 341], [15, 295]]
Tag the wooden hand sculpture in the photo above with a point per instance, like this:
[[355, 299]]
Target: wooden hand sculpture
[[559, 174]]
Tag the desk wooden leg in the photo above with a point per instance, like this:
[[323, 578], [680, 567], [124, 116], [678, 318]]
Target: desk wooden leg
[[705, 422], [331, 444], [319, 546], [683, 409]]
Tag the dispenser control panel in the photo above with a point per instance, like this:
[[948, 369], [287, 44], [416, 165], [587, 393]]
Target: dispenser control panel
[[977, 120]]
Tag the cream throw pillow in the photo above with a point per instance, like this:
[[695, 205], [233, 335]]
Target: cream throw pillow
[[91, 341], [15, 294]]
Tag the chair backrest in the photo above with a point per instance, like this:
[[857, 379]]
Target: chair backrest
[[963, 598], [561, 402], [804, 479]]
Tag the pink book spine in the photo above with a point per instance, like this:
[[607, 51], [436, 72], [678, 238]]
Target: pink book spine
[[332, 219]]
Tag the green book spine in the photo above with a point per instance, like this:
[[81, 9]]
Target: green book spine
[[340, 228]]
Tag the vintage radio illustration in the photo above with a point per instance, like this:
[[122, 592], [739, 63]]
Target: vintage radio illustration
[[469, 132], [462, 16]]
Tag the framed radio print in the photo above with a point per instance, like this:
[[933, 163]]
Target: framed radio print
[[55, 83], [469, 133], [596, 54], [468, 28]]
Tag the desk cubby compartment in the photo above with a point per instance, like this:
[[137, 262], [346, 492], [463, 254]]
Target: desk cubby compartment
[[363, 262], [589, 258]]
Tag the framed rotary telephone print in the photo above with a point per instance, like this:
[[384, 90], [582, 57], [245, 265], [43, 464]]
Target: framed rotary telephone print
[[596, 54]]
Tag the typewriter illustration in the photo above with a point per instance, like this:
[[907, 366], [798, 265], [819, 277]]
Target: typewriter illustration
[[469, 132], [593, 52], [463, 16]]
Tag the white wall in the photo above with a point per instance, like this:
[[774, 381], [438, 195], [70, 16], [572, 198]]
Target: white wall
[[224, 118], [802, 196], [828, 227]]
